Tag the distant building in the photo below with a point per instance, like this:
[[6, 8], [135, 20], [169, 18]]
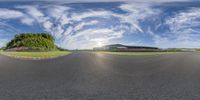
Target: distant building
[[124, 48]]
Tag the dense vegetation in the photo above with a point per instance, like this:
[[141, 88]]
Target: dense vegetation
[[40, 41]]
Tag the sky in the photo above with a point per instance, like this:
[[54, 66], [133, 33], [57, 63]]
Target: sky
[[84, 24]]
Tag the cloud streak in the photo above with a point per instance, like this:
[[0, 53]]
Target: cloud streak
[[70, 28], [184, 28], [10, 14], [86, 28]]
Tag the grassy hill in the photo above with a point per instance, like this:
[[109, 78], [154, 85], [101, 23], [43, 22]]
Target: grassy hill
[[39, 41]]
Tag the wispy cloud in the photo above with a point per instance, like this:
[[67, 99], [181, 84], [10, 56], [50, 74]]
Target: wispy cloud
[[70, 26], [184, 22], [74, 28], [136, 13], [10, 14], [91, 37], [184, 27]]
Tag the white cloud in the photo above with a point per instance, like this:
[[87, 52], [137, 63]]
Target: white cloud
[[47, 25], [57, 11], [175, 40], [136, 13], [34, 14], [75, 29], [27, 21], [99, 34], [184, 28], [69, 27], [57, 32], [32, 11], [65, 34], [91, 13], [68, 31], [91, 37], [184, 21], [10, 14], [83, 24], [16, 14]]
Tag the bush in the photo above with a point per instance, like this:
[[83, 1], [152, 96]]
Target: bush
[[40, 41]]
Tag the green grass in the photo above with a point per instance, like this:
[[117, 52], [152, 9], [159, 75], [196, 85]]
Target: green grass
[[37, 54], [136, 53], [198, 50]]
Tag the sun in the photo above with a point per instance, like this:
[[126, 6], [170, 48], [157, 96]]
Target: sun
[[99, 43]]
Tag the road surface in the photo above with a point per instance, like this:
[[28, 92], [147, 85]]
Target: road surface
[[89, 76]]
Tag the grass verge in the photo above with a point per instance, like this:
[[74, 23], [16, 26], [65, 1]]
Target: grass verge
[[136, 53], [37, 54], [197, 50]]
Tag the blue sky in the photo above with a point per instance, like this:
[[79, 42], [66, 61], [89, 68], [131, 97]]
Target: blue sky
[[83, 24]]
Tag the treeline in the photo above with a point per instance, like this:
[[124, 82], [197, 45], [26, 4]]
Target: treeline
[[39, 41], [174, 50]]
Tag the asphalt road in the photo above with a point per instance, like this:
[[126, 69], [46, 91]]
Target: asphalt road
[[89, 76]]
